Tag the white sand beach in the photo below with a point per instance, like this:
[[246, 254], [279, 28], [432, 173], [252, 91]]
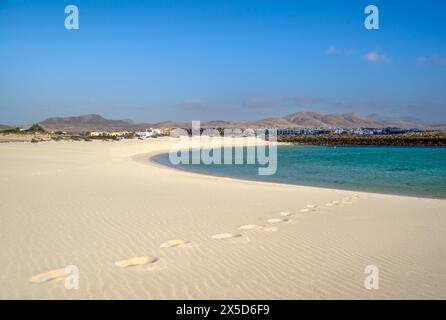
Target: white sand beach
[[138, 230]]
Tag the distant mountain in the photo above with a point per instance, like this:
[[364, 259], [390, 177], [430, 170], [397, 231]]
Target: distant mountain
[[400, 121], [218, 123], [4, 127], [295, 120], [84, 123], [171, 124], [314, 119], [205, 124], [269, 123], [346, 120], [438, 126]]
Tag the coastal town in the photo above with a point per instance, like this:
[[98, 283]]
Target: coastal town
[[314, 136]]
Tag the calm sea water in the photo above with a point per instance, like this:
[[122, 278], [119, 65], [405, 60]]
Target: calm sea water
[[414, 171]]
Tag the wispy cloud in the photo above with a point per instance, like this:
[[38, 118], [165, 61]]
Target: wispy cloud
[[432, 60], [375, 57], [332, 50]]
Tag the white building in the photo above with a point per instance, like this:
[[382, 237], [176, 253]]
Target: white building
[[148, 133]]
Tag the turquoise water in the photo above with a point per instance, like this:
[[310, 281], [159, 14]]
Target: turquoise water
[[414, 171]]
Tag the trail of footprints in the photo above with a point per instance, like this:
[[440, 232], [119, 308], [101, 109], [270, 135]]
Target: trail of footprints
[[147, 262]]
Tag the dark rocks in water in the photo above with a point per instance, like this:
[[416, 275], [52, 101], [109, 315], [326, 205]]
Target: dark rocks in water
[[407, 139]]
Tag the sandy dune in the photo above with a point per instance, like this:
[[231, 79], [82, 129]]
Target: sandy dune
[[135, 229]]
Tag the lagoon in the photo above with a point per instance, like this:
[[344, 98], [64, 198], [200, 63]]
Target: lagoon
[[412, 171]]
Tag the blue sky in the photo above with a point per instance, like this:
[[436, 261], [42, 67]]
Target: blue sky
[[234, 60]]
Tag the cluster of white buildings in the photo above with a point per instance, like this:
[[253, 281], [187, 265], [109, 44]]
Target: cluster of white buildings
[[355, 131], [148, 133]]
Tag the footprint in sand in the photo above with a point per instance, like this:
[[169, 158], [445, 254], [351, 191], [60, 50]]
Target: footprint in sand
[[257, 227], [251, 227], [276, 220], [175, 243], [335, 202], [269, 229], [225, 236], [52, 275], [309, 207], [286, 214], [234, 238], [136, 261]]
